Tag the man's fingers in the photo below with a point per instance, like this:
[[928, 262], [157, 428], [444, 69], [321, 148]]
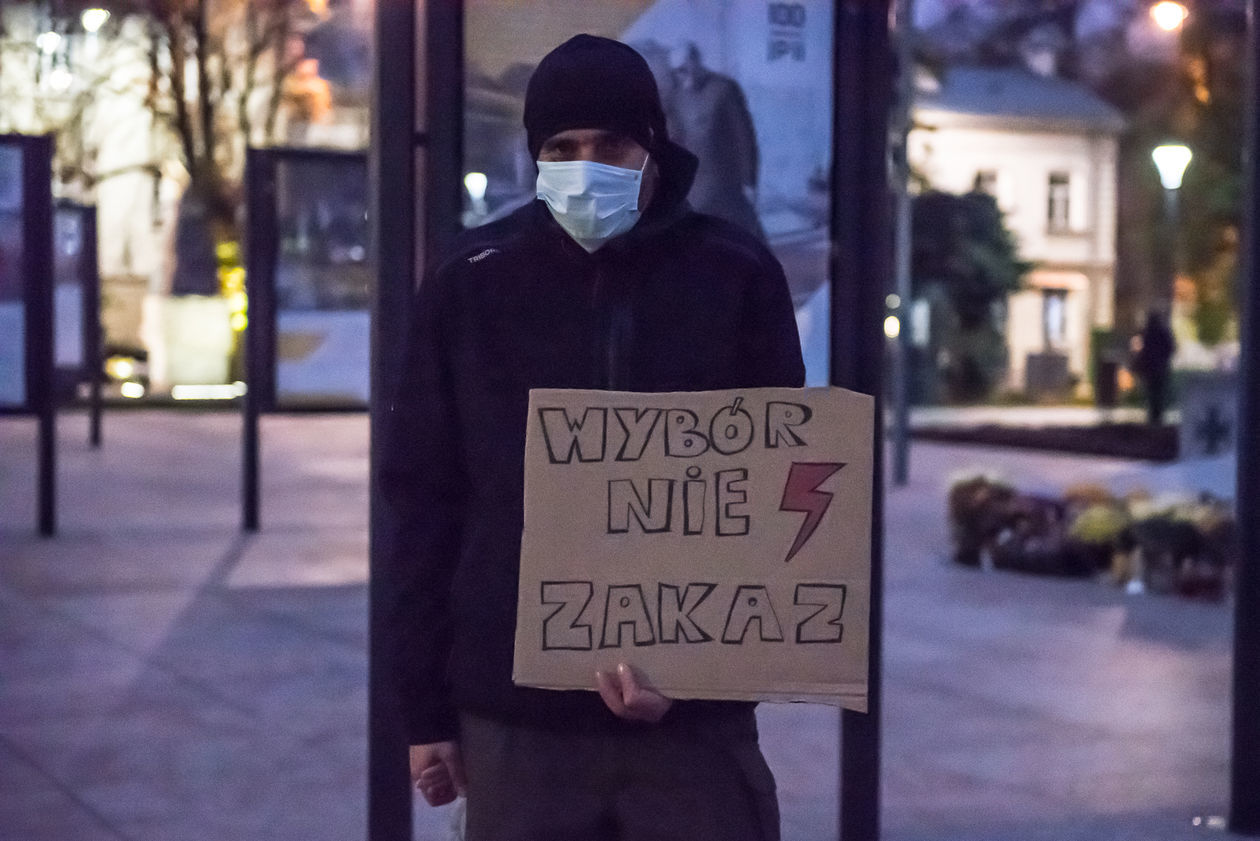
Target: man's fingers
[[627, 698], [434, 775], [629, 683], [643, 704], [438, 795], [437, 770], [637, 699], [610, 690], [455, 765], [442, 782]]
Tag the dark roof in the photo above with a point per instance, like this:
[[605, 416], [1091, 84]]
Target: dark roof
[[1013, 94]]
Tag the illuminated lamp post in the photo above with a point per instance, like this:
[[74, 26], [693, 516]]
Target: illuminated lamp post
[[93, 19], [1171, 159], [1168, 15]]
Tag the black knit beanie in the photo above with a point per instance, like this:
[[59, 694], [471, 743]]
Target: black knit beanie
[[593, 82]]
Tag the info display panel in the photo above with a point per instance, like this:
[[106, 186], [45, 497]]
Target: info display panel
[[309, 279], [13, 285]]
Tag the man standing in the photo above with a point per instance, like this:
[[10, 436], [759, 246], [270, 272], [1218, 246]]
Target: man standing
[[608, 281]]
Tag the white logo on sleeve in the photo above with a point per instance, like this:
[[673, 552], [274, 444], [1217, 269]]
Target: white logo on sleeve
[[477, 258]]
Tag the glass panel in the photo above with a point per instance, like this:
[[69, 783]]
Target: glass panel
[[329, 89], [323, 282], [12, 284], [68, 277], [747, 87]]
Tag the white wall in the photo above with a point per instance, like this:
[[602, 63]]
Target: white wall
[[950, 157]]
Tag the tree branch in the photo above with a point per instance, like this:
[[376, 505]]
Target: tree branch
[[179, 59], [251, 66], [281, 70], [205, 97]]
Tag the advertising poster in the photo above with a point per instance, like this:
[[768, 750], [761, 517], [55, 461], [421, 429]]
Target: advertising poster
[[68, 280], [746, 86], [718, 542], [12, 284], [323, 282]]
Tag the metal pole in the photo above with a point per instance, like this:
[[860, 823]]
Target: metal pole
[[442, 184], [394, 203], [902, 253], [861, 228], [92, 341], [1244, 811], [1172, 228], [37, 266], [260, 249]]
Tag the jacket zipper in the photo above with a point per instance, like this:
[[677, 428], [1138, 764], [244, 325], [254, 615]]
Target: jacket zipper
[[612, 323]]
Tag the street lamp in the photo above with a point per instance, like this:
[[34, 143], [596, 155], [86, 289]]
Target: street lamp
[[1171, 159], [48, 42], [1169, 16], [475, 183], [94, 19]]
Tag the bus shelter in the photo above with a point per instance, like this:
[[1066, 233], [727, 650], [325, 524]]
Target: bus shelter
[[813, 80]]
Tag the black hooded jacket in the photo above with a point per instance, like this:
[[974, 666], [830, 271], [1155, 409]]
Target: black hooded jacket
[[682, 302]]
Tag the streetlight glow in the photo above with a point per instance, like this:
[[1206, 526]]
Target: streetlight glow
[[475, 183], [93, 19], [48, 42], [892, 326], [1171, 160], [60, 79], [1168, 15]]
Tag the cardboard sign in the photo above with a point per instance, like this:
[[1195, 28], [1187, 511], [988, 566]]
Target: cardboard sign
[[719, 542]]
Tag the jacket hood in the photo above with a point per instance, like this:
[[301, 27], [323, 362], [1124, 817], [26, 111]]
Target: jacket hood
[[677, 168]]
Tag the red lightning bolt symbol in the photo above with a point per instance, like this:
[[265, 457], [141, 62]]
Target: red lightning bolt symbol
[[801, 493]]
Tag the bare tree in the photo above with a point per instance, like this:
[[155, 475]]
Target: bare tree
[[211, 73]]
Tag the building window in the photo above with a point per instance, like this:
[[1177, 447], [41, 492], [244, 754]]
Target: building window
[[1058, 216], [1054, 318], [986, 182]]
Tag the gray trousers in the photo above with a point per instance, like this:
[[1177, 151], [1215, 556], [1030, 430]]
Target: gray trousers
[[526, 784]]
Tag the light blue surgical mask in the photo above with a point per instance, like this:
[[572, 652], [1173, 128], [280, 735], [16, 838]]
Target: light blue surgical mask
[[593, 202]]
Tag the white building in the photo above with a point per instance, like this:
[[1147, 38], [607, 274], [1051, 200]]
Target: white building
[[90, 83], [1046, 149]]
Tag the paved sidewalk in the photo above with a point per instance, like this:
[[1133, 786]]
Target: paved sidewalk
[[163, 677]]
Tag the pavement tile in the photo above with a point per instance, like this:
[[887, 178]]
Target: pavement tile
[[164, 677], [134, 559], [290, 556], [1123, 827], [36, 807]]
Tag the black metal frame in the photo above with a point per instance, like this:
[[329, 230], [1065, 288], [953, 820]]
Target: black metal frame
[[861, 273], [424, 149], [37, 271], [1244, 815], [401, 134], [261, 253]]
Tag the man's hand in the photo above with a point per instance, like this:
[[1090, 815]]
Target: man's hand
[[623, 694], [438, 771]]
